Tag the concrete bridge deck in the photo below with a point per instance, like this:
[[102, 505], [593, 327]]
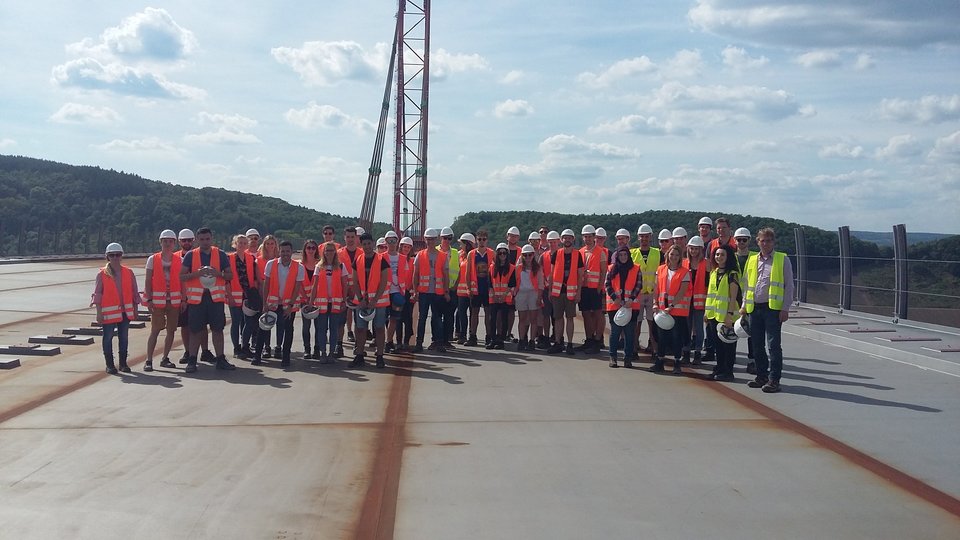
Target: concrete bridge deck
[[861, 443]]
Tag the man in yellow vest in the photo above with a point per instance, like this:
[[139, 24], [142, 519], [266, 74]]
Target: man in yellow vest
[[648, 258], [767, 300]]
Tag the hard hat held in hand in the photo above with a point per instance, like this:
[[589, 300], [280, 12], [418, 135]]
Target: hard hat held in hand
[[206, 277], [664, 320], [268, 320], [622, 316]]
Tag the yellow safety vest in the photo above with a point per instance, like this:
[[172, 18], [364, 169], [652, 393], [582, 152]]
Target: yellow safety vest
[[648, 266], [777, 290], [718, 299]]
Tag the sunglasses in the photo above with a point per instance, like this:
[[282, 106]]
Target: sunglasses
[[528, 254], [447, 237], [114, 255], [743, 239], [391, 240]]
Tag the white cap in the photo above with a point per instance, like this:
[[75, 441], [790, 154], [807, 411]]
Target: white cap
[[567, 232], [644, 229], [623, 232], [113, 247], [705, 221], [446, 231], [679, 231], [503, 245], [665, 235], [534, 236], [696, 241], [468, 237], [381, 241], [513, 230], [588, 229], [252, 232], [185, 234], [391, 234], [430, 233], [742, 232], [406, 240], [167, 233], [360, 230], [528, 249], [601, 232], [554, 235]]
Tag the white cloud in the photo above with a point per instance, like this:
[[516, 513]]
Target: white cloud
[[684, 64], [326, 116], [841, 151], [231, 129], [947, 148], [150, 145], [760, 146], [864, 62], [326, 63], [619, 70], [149, 35], [926, 110], [835, 24], [444, 63], [738, 59], [7, 143], [231, 121], [755, 102], [512, 108], [91, 74], [513, 76], [899, 147], [570, 145], [77, 113], [819, 60], [641, 125]]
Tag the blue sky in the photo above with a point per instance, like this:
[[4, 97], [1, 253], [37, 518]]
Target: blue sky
[[824, 113]]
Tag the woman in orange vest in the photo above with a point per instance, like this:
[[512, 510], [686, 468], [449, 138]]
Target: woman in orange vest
[[268, 251], [309, 255], [467, 244], [528, 298], [162, 297], [404, 326], [502, 281], [116, 296], [697, 266], [328, 293], [243, 276], [624, 285], [671, 296]]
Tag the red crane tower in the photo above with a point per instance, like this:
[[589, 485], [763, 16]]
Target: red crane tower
[[410, 59]]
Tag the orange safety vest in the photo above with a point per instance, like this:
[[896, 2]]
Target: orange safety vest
[[576, 261], [236, 291], [500, 285], [423, 267], [404, 272], [621, 292], [699, 285], [667, 296], [593, 258], [369, 284], [349, 262], [159, 285], [218, 293], [472, 267], [323, 297], [112, 306], [274, 298], [463, 286], [546, 265]]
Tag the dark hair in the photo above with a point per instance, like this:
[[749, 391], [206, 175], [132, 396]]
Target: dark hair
[[483, 232], [731, 264], [617, 266], [286, 243], [721, 220], [350, 230], [501, 269], [204, 230], [364, 236], [328, 228], [316, 250]]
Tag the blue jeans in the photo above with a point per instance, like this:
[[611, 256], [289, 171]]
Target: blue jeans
[[435, 304], [696, 323], [328, 324], [307, 325], [463, 315], [237, 322], [122, 330], [618, 332], [765, 323]]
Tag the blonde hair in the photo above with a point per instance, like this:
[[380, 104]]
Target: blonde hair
[[236, 238], [323, 253], [263, 244]]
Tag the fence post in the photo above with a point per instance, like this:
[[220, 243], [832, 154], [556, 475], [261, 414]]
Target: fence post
[[900, 300], [846, 269], [801, 241]]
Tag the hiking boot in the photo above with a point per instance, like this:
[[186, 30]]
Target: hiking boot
[[759, 382], [772, 387]]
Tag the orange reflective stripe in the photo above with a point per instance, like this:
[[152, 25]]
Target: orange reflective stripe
[[332, 298], [668, 292]]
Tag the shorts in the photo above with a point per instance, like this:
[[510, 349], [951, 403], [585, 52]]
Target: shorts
[[590, 299], [379, 320], [563, 306], [646, 307], [207, 312], [478, 300], [528, 300], [183, 320], [165, 318]]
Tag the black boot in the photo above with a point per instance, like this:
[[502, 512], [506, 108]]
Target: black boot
[[657, 366], [111, 369], [123, 364]]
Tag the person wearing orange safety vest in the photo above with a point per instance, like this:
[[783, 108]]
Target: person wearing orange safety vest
[[205, 301], [348, 255], [565, 285], [624, 286], [547, 247], [401, 271], [371, 276], [116, 296], [162, 297], [309, 254], [724, 237], [404, 326], [527, 295], [502, 282], [699, 275], [479, 261], [268, 251], [591, 303], [328, 294], [431, 281], [462, 320], [602, 244], [672, 296], [282, 291], [513, 250], [185, 238], [244, 270]]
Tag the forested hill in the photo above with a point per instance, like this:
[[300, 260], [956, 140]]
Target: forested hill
[[49, 207]]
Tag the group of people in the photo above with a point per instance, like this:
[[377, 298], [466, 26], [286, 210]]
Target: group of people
[[689, 292]]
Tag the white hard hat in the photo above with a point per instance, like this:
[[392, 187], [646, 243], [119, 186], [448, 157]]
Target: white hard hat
[[513, 230], [644, 229], [503, 245], [567, 232], [534, 236], [554, 235], [742, 327], [381, 241], [391, 234], [623, 315], [664, 234], [446, 231], [247, 310], [679, 231], [167, 233], [664, 320], [206, 279], [430, 233], [406, 240], [727, 334], [623, 232], [185, 234], [742, 232], [588, 229], [601, 232], [310, 312], [252, 232], [367, 314], [696, 241], [360, 230], [468, 237], [113, 247], [268, 320], [527, 249], [705, 221]]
